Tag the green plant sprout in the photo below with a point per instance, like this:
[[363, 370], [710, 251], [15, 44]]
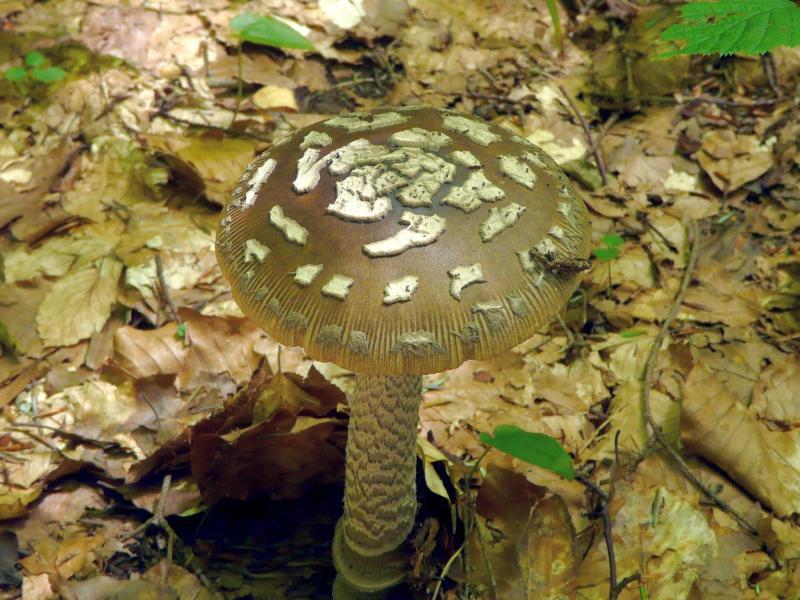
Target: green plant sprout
[[608, 252], [559, 33], [735, 26], [533, 448], [631, 333], [263, 31], [268, 31], [35, 68]]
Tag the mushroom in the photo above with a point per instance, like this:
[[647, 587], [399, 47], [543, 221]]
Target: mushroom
[[396, 243]]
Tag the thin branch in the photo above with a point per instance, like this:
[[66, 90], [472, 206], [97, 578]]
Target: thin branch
[[162, 282], [236, 132], [598, 155], [647, 382], [614, 587]]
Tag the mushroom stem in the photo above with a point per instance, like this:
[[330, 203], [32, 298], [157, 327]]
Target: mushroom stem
[[380, 501]]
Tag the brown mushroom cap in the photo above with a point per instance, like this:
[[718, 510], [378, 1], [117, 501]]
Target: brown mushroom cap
[[403, 240]]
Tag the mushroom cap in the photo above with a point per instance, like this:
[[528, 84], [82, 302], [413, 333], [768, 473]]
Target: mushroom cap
[[403, 240]]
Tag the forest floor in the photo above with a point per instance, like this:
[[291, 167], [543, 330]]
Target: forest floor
[[156, 444]]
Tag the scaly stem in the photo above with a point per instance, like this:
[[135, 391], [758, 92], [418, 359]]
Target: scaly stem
[[380, 501]]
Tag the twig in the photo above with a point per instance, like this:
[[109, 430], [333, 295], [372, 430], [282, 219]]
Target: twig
[[157, 518], [240, 83], [598, 155], [647, 382], [162, 282], [734, 103], [768, 64], [567, 331], [446, 570], [468, 528], [228, 130], [650, 364], [614, 587], [604, 129], [497, 98]]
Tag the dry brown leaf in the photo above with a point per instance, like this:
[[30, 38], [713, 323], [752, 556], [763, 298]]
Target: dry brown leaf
[[732, 160], [505, 500], [717, 427], [775, 396], [59, 255], [271, 97], [213, 345], [210, 164], [78, 305], [255, 460], [549, 568], [722, 297], [50, 159], [64, 557], [658, 533]]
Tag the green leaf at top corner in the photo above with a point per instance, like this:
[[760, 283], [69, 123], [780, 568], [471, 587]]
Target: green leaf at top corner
[[735, 26], [533, 448], [34, 59], [605, 254], [15, 74], [268, 31], [48, 74]]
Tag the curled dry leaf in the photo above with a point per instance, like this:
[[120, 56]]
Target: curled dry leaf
[[732, 160], [717, 427], [208, 164]]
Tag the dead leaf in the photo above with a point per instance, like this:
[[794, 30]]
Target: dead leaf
[[209, 164], [90, 293], [275, 98], [549, 568], [255, 461], [732, 160], [717, 427], [213, 345]]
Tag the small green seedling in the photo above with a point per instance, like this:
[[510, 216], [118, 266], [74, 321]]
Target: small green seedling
[[631, 333], [608, 252], [267, 31], [264, 31], [180, 332], [533, 448], [735, 26], [36, 68], [553, 10], [610, 249]]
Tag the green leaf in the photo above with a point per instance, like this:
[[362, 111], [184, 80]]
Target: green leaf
[[34, 59], [15, 74], [612, 240], [606, 254], [631, 333], [180, 332], [48, 74], [533, 448], [267, 31], [735, 26]]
